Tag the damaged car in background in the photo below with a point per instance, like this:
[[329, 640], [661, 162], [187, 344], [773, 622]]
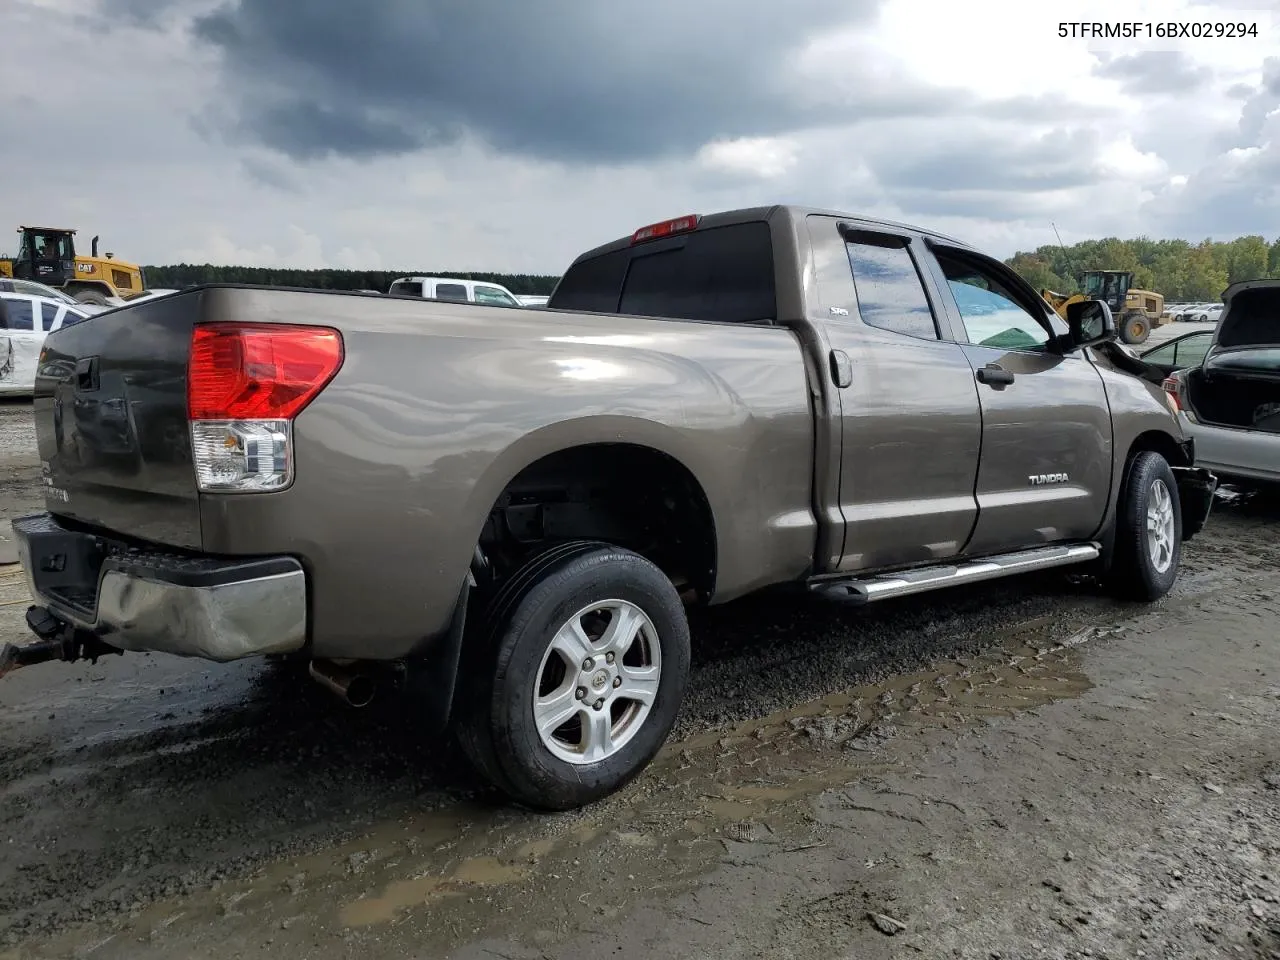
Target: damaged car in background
[[1229, 402], [706, 407], [26, 318]]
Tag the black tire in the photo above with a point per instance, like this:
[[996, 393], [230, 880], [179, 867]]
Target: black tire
[[92, 297], [1135, 328], [1134, 574], [496, 726]]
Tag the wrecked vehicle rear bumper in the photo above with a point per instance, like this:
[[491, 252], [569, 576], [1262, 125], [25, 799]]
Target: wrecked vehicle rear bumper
[[128, 597], [1196, 487]]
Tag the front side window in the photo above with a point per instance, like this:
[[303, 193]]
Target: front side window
[[992, 313], [53, 246], [890, 294], [494, 295]]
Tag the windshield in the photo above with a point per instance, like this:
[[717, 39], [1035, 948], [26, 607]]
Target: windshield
[[40, 290]]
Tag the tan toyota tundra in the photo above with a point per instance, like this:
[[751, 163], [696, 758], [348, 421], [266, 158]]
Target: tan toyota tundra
[[514, 507]]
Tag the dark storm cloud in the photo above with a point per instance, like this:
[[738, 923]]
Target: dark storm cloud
[[995, 162], [1156, 72], [559, 79]]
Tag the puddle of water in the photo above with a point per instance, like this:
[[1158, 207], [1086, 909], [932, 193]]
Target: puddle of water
[[441, 878], [420, 891]]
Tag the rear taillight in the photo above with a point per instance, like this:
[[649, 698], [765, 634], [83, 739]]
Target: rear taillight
[[245, 384], [1173, 393]]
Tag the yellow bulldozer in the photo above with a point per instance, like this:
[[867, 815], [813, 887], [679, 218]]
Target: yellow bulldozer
[[1137, 312], [48, 255]]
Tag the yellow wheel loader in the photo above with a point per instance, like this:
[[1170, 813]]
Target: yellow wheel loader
[[1137, 311], [48, 255]]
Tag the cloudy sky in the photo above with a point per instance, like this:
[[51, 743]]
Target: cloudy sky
[[507, 135]]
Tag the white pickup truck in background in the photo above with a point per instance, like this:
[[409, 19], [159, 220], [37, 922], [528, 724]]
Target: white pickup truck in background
[[451, 288]]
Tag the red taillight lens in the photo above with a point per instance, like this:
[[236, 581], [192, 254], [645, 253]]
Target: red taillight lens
[[243, 371], [1171, 387]]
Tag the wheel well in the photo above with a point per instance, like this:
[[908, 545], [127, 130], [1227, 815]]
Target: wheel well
[[1158, 442], [97, 285], [628, 495]]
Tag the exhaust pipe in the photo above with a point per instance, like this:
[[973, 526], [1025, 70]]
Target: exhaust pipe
[[356, 688], [95, 248]]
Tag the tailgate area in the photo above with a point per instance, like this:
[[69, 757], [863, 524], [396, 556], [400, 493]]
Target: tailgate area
[[111, 421]]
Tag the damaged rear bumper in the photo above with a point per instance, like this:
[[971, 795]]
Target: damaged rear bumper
[[127, 597]]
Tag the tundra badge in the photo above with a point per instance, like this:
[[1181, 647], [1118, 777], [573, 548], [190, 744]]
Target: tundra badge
[[1040, 479]]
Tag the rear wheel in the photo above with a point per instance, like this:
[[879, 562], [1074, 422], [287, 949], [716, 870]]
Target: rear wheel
[[1135, 329], [1148, 531], [585, 663]]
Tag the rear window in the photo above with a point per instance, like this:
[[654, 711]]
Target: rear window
[[723, 274], [20, 314], [451, 291], [406, 288]]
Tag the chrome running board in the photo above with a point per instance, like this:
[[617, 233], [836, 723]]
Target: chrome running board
[[923, 579]]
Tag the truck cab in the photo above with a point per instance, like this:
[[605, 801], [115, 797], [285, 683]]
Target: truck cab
[[453, 288]]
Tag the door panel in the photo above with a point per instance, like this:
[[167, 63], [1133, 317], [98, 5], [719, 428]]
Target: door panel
[[1045, 471], [910, 419], [912, 434]]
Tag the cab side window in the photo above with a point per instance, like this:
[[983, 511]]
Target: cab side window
[[451, 291], [890, 293], [992, 313]]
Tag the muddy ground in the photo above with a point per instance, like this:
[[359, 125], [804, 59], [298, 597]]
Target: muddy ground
[[1019, 770]]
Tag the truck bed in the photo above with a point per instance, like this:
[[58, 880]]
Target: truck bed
[[401, 458]]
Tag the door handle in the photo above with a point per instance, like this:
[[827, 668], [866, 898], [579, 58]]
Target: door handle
[[995, 376], [841, 368]]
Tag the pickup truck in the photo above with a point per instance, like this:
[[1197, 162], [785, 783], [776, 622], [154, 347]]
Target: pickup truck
[[510, 511]]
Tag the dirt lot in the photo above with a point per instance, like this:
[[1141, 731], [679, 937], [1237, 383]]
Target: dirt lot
[[1021, 771]]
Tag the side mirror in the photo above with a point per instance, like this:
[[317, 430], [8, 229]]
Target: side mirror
[[1090, 323]]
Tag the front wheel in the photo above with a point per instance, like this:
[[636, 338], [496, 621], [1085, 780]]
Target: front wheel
[[585, 665], [1148, 531]]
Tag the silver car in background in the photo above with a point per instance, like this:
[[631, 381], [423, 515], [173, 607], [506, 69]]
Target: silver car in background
[[1229, 402]]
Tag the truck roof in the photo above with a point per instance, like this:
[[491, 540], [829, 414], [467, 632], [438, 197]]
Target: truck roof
[[416, 278], [791, 212]]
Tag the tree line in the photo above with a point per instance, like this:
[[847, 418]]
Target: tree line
[[179, 275], [1182, 271]]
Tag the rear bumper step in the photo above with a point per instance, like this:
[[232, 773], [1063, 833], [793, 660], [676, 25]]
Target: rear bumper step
[[924, 579], [137, 599]]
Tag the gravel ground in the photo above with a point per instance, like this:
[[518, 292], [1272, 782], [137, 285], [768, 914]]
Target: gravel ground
[[1019, 770]]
